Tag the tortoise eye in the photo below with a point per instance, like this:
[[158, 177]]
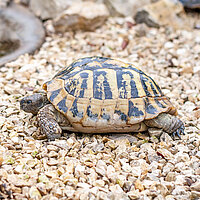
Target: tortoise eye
[[29, 102]]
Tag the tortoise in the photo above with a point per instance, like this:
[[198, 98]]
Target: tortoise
[[102, 95]]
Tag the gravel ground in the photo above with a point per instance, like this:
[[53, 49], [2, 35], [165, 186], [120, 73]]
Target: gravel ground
[[129, 166]]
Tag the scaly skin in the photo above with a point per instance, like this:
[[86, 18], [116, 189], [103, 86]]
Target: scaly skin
[[169, 123], [47, 121]]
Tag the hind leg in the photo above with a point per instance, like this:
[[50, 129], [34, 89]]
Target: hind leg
[[169, 123]]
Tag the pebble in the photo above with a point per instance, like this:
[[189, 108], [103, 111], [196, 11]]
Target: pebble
[[171, 176], [196, 186], [168, 45], [34, 193]]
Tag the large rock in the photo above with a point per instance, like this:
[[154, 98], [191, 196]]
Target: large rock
[[192, 4], [49, 9], [163, 12], [125, 7], [20, 32], [81, 16]]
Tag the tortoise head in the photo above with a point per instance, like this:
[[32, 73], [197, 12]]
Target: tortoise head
[[32, 104]]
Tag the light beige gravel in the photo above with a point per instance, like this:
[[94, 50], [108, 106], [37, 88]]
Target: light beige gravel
[[101, 166]]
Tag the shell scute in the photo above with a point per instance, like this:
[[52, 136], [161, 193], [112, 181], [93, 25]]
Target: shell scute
[[136, 109], [92, 112]]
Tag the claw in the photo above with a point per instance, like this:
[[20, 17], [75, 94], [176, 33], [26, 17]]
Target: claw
[[178, 132]]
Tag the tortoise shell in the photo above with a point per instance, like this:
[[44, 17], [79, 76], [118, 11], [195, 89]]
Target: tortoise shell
[[96, 91]]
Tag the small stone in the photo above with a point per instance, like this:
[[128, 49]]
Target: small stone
[[134, 194], [198, 154], [169, 197], [52, 162], [57, 192], [168, 45], [181, 51], [34, 193], [70, 142], [99, 183], [148, 183], [19, 169], [162, 189], [32, 163], [121, 180], [186, 69], [1, 159], [111, 173], [51, 174], [196, 186], [195, 194], [52, 148], [125, 166], [53, 154], [42, 188], [154, 132], [84, 185], [111, 144], [165, 153], [43, 178], [15, 140], [60, 171], [179, 190], [171, 176], [138, 185], [182, 157], [118, 192]]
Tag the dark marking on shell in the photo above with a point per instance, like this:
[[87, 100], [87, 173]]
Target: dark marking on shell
[[149, 107], [143, 80], [105, 116], [109, 65], [92, 68], [154, 90], [142, 73], [62, 105], [70, 87], [158, 88], [122, 115], [82, 61], [74, 110], [84, 76], [101, 85], [122, 84], [91, 115], [133, 110], [159, 103], [136, 70], [54, 94]]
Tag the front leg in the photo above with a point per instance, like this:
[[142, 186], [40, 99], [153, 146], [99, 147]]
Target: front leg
[[47, 121]]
